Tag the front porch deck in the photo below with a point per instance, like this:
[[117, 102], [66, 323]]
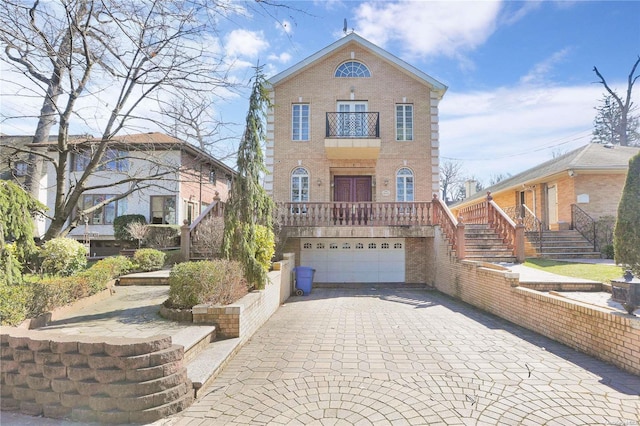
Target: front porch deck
[[365, 214]]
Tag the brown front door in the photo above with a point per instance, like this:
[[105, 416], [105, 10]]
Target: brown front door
[[347, 190], [352, 188]]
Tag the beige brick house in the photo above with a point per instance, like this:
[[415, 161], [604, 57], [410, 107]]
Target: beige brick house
[[352, 150], [588, 180]]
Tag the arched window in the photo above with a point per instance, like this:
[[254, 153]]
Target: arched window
[[404, 185], [352, 69], [300, 185]]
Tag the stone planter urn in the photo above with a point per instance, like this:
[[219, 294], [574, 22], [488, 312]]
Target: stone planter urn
[[626, 290]]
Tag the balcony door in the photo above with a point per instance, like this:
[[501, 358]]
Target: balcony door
[[352, 189], [352, 118]]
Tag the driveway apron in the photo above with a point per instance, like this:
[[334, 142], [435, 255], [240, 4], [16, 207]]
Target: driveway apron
[[384, 355]]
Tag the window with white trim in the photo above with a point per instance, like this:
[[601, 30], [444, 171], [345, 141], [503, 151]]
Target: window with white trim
[[404, 185], [300, 122], [352, 69], [404, 122], [299, 188]]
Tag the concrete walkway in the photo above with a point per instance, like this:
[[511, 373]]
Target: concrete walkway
[[388, 356]]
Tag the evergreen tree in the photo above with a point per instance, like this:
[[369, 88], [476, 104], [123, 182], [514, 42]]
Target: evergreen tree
[[608, 124], [626, 237], [17, 209], [249, 205]]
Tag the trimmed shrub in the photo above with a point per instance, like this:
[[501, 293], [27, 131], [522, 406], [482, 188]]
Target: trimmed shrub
[[14, 303], [148, 259], [115, 266], [217, 282], [120, 224], [63, 256]]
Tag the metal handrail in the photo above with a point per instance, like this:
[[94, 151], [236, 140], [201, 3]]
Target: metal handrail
[[584, 224]]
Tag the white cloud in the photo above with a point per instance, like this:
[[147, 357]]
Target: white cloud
[[511, 129], [428, 28], [540, 71], [245, 43], [283, 58]]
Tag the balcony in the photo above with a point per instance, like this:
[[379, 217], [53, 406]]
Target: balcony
[[352, 135]]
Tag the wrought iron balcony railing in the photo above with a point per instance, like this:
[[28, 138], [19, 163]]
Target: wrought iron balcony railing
[[353, 125]]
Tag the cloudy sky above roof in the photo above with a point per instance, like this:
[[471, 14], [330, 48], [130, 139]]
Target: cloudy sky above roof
[[521, 85]]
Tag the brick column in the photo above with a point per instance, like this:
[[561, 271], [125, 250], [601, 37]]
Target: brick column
[[519, 243], [460, 242], [185, 241]]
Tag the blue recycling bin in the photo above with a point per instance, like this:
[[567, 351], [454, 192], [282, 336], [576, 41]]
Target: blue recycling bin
[[304, 279]]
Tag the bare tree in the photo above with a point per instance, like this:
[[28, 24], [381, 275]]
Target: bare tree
[[450, 177], [621, 106], [115, 54], [208, 236], [138, 230]]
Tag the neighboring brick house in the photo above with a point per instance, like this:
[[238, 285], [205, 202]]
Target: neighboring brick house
[[590, 178], [352, 151], [188, 181]]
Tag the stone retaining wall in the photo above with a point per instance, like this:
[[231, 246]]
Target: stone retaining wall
[[611, 336], [91, 379]]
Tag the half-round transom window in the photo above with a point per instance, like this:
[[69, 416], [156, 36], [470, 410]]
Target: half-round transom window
[[353, 69]]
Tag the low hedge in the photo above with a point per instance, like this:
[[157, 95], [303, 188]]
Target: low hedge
[[148, 259], [30, 299], [216, 282]]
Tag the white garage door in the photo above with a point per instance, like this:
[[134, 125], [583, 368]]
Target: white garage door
[[351, 260]]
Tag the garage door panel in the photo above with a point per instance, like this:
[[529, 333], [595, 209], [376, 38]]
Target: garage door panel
[[354, 260]]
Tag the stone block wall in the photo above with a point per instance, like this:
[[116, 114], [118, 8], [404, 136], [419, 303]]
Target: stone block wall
[[91, 379], [613, 337]]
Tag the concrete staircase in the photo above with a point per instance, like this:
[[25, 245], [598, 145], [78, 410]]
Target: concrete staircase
[[483, 244], [568, 244]]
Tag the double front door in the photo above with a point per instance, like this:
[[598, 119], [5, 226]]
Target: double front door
[[348, 192], [352, 189]]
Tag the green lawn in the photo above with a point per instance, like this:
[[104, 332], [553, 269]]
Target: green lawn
[[601, 273]]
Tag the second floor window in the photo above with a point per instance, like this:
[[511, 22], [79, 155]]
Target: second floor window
[[212, 177], [404, 185], [404, 122], [105, 214], [114, 160], [300, 120]]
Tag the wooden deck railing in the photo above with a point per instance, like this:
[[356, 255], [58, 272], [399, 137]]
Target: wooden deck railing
[[355, 214]]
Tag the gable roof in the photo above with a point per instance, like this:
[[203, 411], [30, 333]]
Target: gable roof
[[142, 141], [591, 157], [437, 86]]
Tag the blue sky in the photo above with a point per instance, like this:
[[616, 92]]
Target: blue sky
[[521, 85], [520, 78]]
